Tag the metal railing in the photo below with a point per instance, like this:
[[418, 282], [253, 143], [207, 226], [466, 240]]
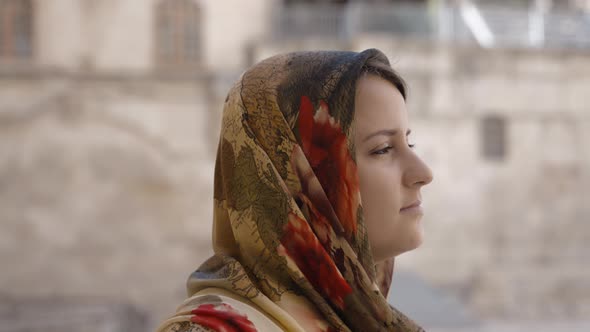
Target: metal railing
[[489, 26]]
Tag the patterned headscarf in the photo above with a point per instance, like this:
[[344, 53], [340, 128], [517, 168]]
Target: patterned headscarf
[[288, 219]]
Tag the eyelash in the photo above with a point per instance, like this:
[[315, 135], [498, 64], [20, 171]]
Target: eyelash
[[387, 148]]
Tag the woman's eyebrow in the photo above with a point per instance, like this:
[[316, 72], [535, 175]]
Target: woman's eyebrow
[[385, 132]]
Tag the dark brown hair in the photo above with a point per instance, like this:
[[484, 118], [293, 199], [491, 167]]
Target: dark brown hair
[[382, 68]]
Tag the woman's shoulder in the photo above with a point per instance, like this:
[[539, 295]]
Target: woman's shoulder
[[215, 309]]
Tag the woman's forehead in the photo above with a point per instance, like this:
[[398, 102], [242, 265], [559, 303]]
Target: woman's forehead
[[379, 104]]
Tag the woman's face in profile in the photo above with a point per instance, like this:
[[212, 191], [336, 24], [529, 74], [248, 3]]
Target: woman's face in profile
[[390, 173]]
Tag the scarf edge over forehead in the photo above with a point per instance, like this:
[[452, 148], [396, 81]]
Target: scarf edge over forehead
[[288, 222]]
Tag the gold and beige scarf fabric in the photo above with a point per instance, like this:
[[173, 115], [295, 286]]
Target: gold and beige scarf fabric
[[291, 248]]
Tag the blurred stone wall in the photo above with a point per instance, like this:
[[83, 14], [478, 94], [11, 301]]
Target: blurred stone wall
[[117, 36], [58, 314], [105, 187]]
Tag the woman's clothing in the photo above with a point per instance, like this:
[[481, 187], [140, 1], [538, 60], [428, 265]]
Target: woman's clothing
[[291, 248]]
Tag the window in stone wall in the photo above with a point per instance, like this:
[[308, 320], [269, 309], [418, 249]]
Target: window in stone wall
[[16, 29], [178, 33], [493, 137]]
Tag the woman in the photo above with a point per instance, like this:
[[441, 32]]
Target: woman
[[305, 138]]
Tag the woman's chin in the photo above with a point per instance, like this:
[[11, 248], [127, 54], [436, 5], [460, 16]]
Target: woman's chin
[[415, 241], [410, 244]]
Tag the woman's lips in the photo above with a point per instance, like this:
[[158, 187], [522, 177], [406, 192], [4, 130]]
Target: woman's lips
[[413, 208]]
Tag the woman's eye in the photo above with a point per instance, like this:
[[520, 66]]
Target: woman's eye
[[387, 148], [383, 151]]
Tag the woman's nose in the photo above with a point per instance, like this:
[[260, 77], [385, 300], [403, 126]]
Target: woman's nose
[[417, 172]]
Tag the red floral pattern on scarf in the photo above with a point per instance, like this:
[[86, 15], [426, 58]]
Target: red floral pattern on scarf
[[301, 244], [222, 318], [325, 147]]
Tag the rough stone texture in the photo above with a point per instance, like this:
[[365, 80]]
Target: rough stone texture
[[520, 326], [117, 36], [105, 189], [58, 314]]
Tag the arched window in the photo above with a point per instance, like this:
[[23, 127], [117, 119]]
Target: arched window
[[16, 29], [178, 33]]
